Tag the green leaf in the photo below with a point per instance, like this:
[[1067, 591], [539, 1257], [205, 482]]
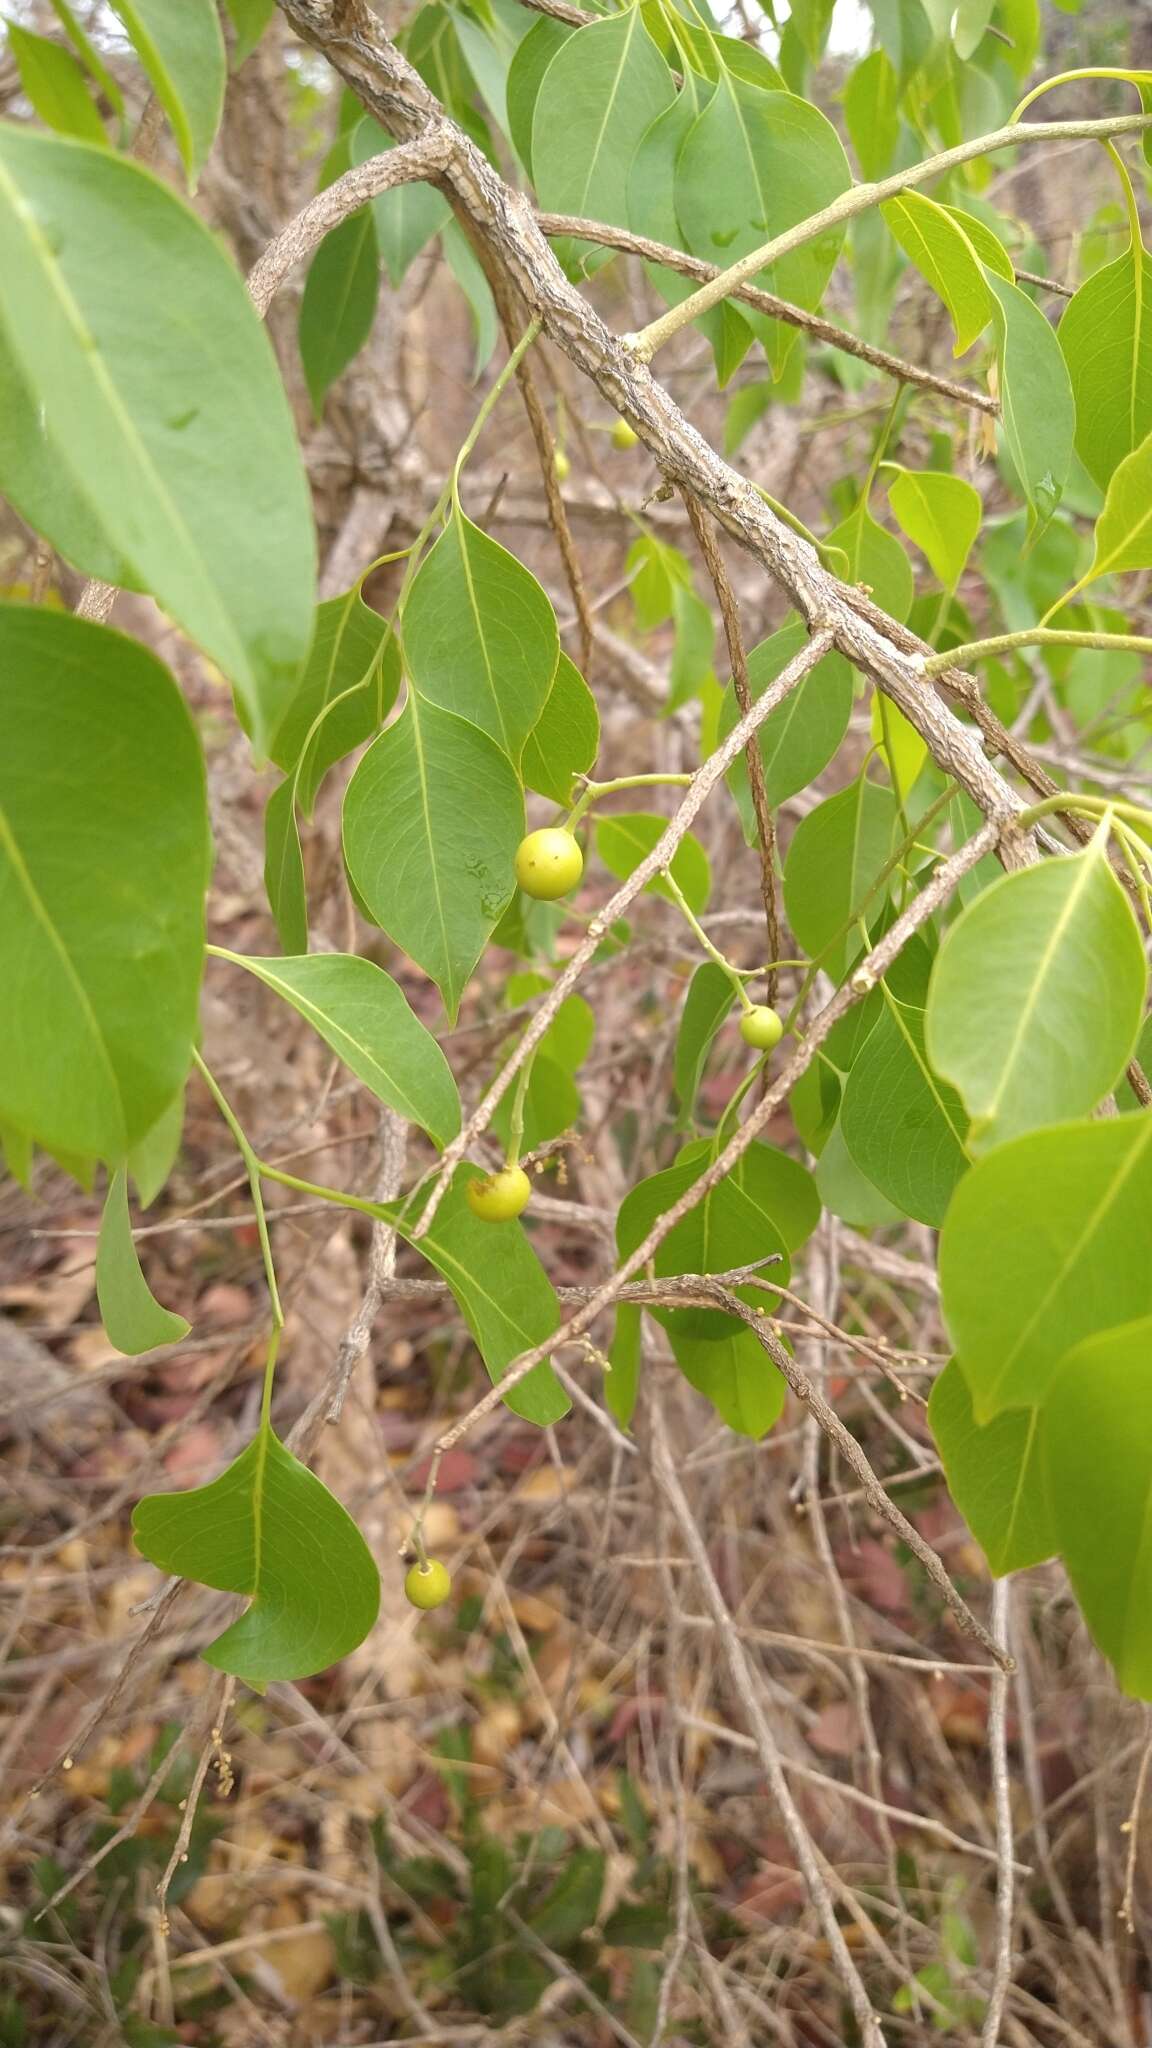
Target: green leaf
[[552, 1104], [707, 1005], [466, 268], [182, 50], [984, 239], [132, 331], [1038, 411], [284, 882], [480, 636], [969, 26], [569, 1909], [872, 113], [250, 18], [995, 1474], [942, 514], [622, 1381], [89, 56], [502, 1291], [1124, 528], [338, 306], [736, 1374], [599, 93], [132, 1317], [875, 558], [269, 1528], [1106, 337], [1037, 995], [935, 242], [408, 216], [625, 838], [902, 1125], [781, 1187], [366, 1018], [151, 1159], [652, 212], [565, 739], [799, 738], [534, 53], [732, 1226], [1046, 1242], [353, 650], [42, 491], [432, 820], [1096, 1445], [54, 83], [691, 663], [103, 868], [846, 1191], [753, 164], [836, 854]]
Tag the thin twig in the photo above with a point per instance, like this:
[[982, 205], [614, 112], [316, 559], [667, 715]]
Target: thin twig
[[1002, 1800], [740, 1672], [705, 533]]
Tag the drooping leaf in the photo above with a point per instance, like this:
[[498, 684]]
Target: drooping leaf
[[103, 869], [534, 53], [652, 212], [876, 559], [872, 112], [1106, 336], [151, 373], [1037, 409], [89, 55], [753, 164], [622, 1381], [799, 738], [269, 1528], [846, 1191], [1097, 1453], [599, 93], [780, 1187], [565, 739], [54, 83], [338, 306], [1124, 528], [706, 1006], [180, 45], [502, 1290], [130, 1312], [480, 637], [995, 1474], [625, 838], [730, 1227], [898, 743], [969, 26], [353, 650], [408, 216], [432, 820], [151, 1159], [367, 1019], [1046, 1242], [250, 18], [903, 1126], [736, 1374], [552, 1104], [284, 882], [1037, 995], [942, 514], [984, 239], [45, 493], [836, 855], [466, 268], [936, 243]]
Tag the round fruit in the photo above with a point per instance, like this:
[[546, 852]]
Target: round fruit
[[762, 1028], [500, 1196], [548, 863], [562, 466], [428, 1585], [624, 436]]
